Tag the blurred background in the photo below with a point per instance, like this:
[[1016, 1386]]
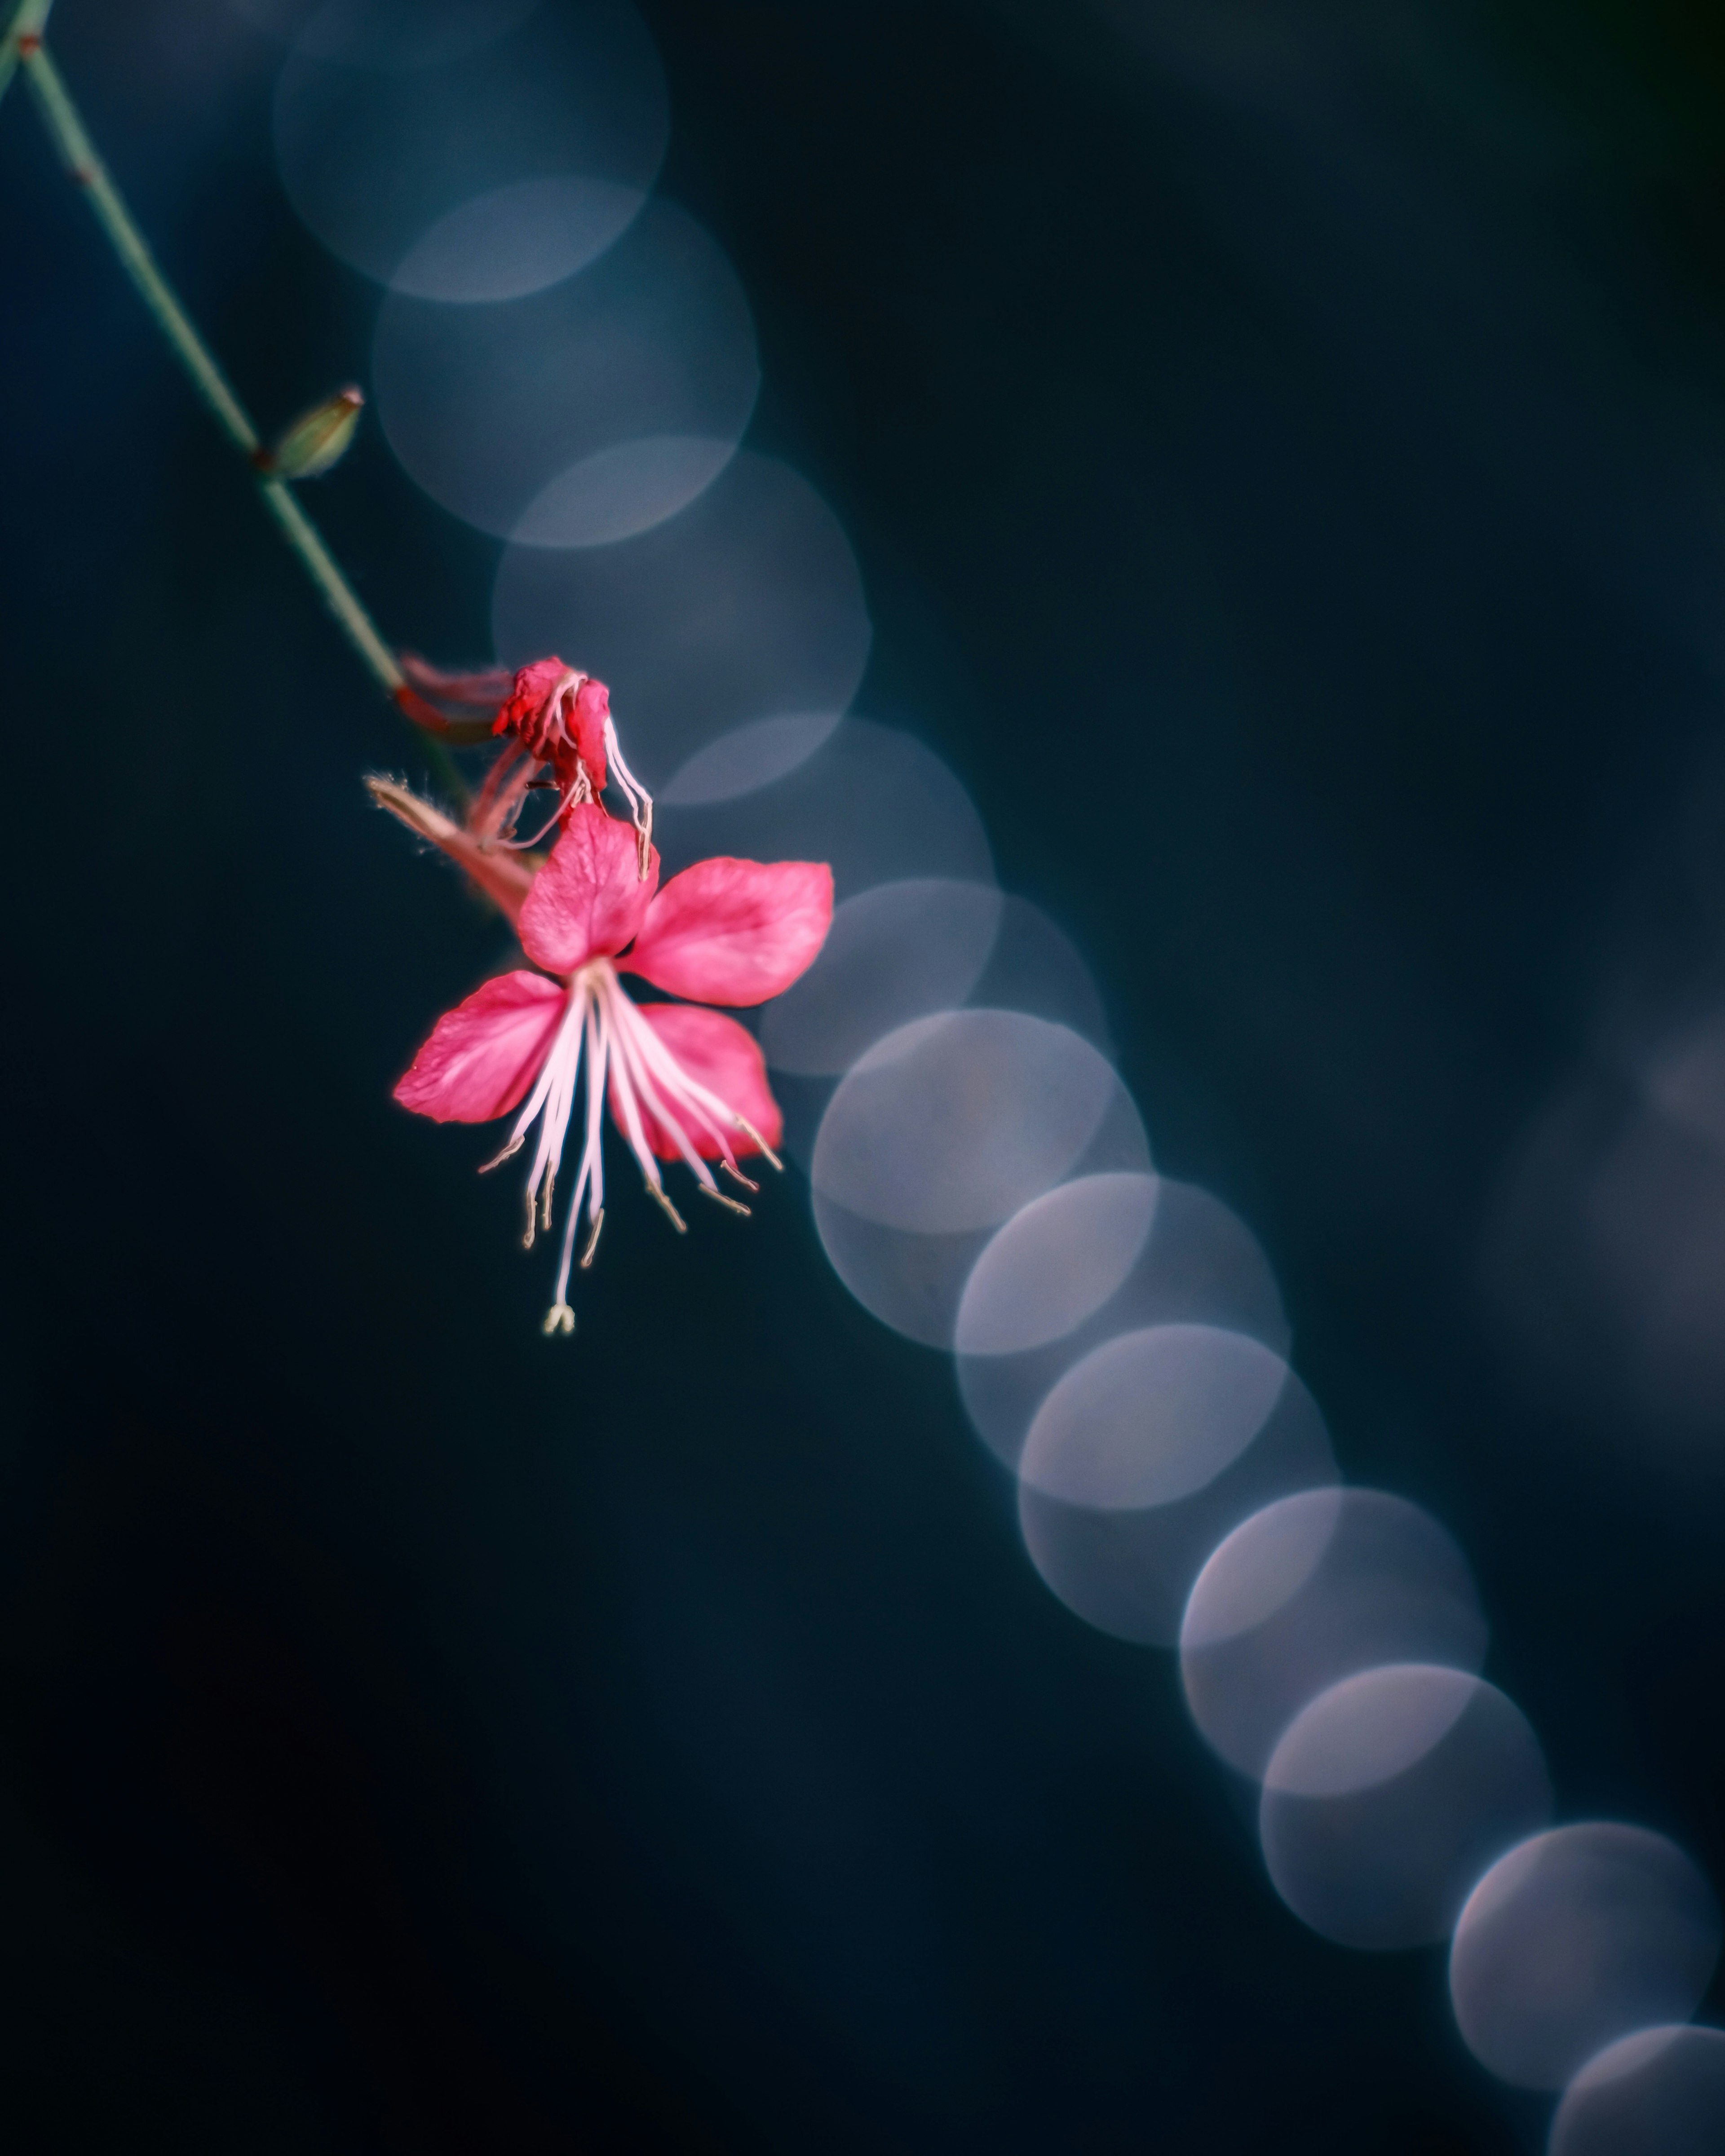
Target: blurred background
[[1262, 466]]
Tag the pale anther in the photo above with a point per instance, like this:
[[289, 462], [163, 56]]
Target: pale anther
[[767, 1153], [657, 1191]]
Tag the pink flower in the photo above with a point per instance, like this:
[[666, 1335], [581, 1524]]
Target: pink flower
[[559, 716], [683, 1082], [563, 717]]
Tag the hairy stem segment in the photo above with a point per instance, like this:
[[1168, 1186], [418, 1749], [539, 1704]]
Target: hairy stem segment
[[23, 46]]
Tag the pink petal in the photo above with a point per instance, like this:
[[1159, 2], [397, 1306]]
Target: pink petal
[[483, 1055], [728, 932], [592, 707], [716, 1053], [521, 708], [590, 898], [483, 689]]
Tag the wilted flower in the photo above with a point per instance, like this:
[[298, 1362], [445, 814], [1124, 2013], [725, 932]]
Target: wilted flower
[[563, 718], [558, 717], [683, 1082]]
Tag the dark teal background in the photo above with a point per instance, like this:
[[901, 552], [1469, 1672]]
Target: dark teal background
[[414, 1737]]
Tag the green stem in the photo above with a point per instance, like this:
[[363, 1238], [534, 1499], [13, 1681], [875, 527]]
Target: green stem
[[29, 18], [60, 116]]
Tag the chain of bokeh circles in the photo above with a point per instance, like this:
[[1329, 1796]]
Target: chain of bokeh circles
[[565, 360]]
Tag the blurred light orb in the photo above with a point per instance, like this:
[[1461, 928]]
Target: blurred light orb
[[733, 636], [747, 759], [283, 20], [407, 34], [1199, 1265], [899, 952], [1129, 1571], [1308, 1591], [618, 492], [1151, 1416], [1035, 966], [911, 1279], [516, 240], [1387, 1796], [1055, 1263], [463, 152], [875, 803], [907, 1281], [1031, 967], [953, 1122], [565, 419], [1658, 2093], [1575, 1939]]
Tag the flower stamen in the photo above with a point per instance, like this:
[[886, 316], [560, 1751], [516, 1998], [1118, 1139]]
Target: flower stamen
[[579, 790], [767, 1154], [640, 801], [657, 1192]]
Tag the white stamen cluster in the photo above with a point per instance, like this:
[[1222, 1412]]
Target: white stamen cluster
[[627, 1057]]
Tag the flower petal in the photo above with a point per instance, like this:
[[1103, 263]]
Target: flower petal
[[528, 695], [592, 707], [719, 1053], [482, 689], [590, 898], [729, 931], [483, 1055]]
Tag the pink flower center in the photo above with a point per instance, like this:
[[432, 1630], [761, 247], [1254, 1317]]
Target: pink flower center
[[650, 1092]]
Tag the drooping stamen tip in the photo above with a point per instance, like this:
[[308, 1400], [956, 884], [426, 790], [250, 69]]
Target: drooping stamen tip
[[657, 1191], [593, 1240], [559, 1318], [718, 1197], [767, 1154], [498, 1159], [737, 1175]]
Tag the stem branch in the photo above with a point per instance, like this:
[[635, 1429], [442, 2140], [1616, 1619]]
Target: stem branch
[[23, 45]]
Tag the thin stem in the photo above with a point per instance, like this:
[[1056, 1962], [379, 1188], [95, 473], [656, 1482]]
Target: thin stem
[[24, 43], [29, 20]]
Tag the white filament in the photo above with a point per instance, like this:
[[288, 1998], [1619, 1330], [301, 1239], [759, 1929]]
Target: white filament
[[627, 1056]]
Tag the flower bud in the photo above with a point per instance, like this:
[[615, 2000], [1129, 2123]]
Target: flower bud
[[317, 439]]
